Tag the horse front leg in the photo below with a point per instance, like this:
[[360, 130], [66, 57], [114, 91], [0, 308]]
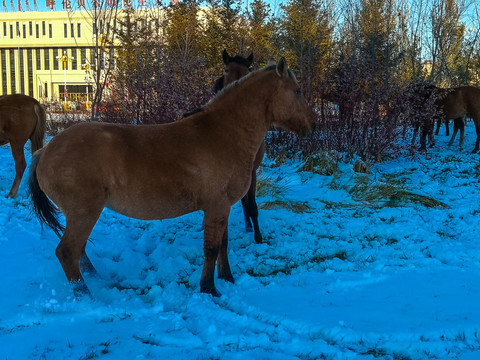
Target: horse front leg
[[215, 225], [20, 166], [439, 125], [223, 265], [246, 213], [415, 133], [253, 208]]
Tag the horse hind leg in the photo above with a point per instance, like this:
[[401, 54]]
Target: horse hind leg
[[20, 166], [71, 250], [463, 123], [457, 125], [86, 266]]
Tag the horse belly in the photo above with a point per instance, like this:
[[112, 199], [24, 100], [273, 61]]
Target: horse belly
[[151, 205]]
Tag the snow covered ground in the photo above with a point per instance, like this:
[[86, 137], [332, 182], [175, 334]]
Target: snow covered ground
[[348, 276]]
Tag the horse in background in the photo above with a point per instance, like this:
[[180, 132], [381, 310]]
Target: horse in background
[[235, 68], [456, 103], [21, 118], [417, 103], [202, 162]]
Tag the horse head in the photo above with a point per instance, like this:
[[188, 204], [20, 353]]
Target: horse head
[[291, 110], [235, 67]]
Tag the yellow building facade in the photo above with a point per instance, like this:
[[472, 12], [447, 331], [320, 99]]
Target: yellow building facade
[[33, 48]]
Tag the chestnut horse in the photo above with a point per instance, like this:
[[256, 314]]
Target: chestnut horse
[[21, 118], [201, 162], [456, 103], [235, 68]]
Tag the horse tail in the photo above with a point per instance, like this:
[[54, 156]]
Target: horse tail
[[38, 134], [44, 209]]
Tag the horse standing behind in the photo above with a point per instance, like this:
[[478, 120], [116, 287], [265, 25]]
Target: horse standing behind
[[201, 162], [21, 118], [235, 68], [456, 104]]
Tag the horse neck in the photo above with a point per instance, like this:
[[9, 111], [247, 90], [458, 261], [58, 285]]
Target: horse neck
[[243, 110]]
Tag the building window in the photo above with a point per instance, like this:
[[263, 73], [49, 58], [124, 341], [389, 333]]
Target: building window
[[22, 71], [37, 31], [39, 59], [72, 30], [11, 31], [83, 55], [24, 31], [65, 28], [17, 29], [5, 32], [56, 61], [79, 30], [74, 59], [43, 29], [13, 90], [30, 28], [4, 72], [46, 59], [30, 71], [50, 31]]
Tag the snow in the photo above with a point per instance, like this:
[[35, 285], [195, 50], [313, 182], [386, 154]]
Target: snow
[[346, 279]]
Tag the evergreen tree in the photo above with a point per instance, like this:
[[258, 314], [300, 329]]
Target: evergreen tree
[[305, 35]]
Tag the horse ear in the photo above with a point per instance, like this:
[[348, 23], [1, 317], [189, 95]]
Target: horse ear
[[225, 57], [282, 68], [250, 59]]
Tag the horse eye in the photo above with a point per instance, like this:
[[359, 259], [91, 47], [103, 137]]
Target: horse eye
[[226, 71]]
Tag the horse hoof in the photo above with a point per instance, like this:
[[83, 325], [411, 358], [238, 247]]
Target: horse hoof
[[258, 239], [80, 290], [212, 291], [227, 277]]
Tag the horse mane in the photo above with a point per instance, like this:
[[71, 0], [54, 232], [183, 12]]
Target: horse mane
[[236, 83]]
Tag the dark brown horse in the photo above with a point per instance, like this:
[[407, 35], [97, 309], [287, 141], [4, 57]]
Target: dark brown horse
[[21, 118], [456, 103], [235, 68], [201, 162]]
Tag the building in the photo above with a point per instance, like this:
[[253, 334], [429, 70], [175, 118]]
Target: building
[[42, 51]]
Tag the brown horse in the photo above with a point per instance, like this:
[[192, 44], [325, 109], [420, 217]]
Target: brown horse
[[235, 68], [201, 162], [456, 103], [21, 118]]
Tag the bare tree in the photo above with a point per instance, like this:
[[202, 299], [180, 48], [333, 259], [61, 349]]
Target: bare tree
[[102, 16]]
